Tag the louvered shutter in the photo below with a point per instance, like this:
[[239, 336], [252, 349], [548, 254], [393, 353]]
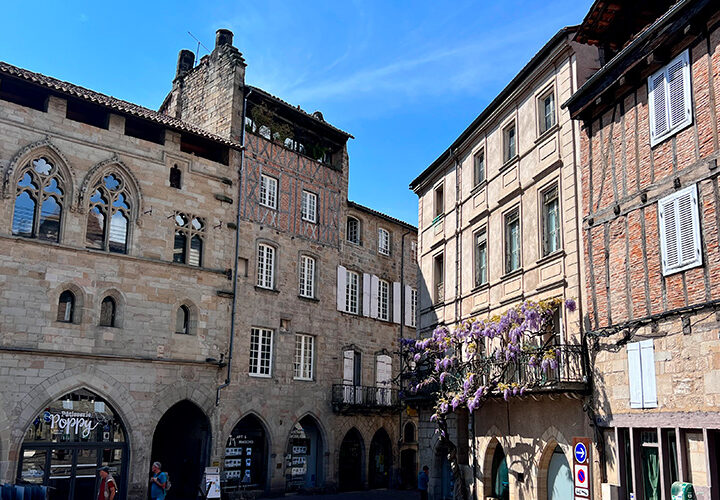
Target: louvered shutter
[[680, 230], [658, 107], [408, 305], [396, 302], [348, 371], [647, 364], [366, 294], [678, 81], [383, 376], [635, 375], [341, 287], [374, 296]]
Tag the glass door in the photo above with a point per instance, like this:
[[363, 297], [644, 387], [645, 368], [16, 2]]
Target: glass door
[[61, 473], [86, 473]]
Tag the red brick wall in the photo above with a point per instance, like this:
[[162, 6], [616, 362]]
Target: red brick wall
[[619, 168]]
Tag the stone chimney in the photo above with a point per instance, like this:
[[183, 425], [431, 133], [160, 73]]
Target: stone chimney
[[186, 61], [223, 37]]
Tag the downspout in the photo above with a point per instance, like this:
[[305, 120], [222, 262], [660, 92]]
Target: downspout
[[402, 323], [237, 250]]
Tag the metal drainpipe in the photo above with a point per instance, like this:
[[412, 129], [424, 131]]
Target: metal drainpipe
[[237, 251], [402, 322]]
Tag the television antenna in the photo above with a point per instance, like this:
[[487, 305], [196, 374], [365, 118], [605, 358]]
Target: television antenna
[[199, 44]]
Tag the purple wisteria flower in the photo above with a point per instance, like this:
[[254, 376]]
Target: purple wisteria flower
[[570, 305]]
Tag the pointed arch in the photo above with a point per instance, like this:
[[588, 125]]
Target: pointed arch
[[351, 461], [39, 149], [102, 169], [553, 440]]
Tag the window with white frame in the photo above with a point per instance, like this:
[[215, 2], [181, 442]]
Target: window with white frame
[[641, 374], [307, 276], [383, 293], [479, 168], [268, 191], [546, 111], [413, 251], [304, 352], [550, 220], [309, 206], [413, 306], [680, 231], [480, 257], [383, 241], [353, 230], [352, 284], [265, 266], [261, 341], [670, 99], [512, 240], [439, 198]]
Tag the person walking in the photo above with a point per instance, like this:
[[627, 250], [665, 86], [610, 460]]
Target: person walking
[[158, 482], [423, 480], [108, 487]]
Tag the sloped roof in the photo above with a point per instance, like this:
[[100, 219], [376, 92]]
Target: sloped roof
[[112, 103], [369, 210]]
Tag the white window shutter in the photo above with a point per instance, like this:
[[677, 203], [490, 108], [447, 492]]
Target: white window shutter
[[366, 294], [348, 367], [679, 97], [396, 302], [383, 370], [647, 363], [635, 375], [341, 287], [680, 230], [408, 305], [374, 296], [657, 104]]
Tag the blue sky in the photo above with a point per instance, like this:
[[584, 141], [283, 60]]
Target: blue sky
[[405, 78]]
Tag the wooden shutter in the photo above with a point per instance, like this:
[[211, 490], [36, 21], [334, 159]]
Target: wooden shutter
[[635, 375], [348, 367], [341, 287], [396, 302], [647, 364], [366, 295], [374, 281], [383, 370], [678, 93], [408, 305], [657, 103], [680, 230]]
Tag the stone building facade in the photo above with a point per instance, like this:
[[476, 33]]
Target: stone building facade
[[650, 221], [117, 341], [499, 215]]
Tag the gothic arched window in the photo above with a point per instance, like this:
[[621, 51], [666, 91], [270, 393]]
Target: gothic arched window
[[109, 215], [39, 201]]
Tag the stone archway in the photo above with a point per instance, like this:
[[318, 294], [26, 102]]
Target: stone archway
[[246, 455], [380, 460], [495, 476], [181, 443], [351, 466], [306, 449]]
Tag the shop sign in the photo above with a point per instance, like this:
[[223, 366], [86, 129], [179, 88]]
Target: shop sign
[[79, 422]]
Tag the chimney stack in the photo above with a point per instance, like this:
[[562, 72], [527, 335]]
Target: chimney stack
[[186, 61], [223, 37]]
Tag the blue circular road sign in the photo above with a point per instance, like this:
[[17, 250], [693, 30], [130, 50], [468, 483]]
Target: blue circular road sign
[[580, 453]]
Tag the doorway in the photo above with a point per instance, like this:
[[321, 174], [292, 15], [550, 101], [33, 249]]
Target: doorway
[[181, 444], [380, 460], [67, 442], [408, 469], [560, 481], [350, 468], [305, 452], [246, 456]]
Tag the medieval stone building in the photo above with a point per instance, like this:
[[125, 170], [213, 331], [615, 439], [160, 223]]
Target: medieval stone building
[[193, 286]]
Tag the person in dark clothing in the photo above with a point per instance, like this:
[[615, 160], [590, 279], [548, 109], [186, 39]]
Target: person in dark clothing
[[423, 480]]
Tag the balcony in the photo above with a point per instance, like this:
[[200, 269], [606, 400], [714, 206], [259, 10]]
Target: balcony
[[348, 399], [569, 376]]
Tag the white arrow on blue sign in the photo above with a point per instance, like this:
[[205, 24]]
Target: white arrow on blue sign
[[580, 453]]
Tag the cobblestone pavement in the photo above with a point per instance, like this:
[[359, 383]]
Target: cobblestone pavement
[[362, 495]]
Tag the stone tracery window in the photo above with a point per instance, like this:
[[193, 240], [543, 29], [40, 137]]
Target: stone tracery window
[[109, 215], [39, 201], [188, 246]]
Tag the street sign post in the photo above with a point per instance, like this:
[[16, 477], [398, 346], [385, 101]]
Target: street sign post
[[581, 468]]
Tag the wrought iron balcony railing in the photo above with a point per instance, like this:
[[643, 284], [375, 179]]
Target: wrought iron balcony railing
[[352, 398]]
